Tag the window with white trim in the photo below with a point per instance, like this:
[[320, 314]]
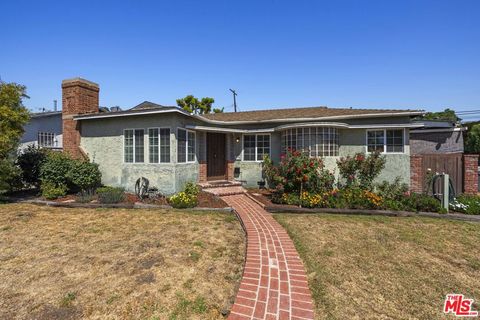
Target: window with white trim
[[317, 141], [255, 146], [185, 146], [386, 140], [164, 145], [46, 139], [159, 145], [133, 145]]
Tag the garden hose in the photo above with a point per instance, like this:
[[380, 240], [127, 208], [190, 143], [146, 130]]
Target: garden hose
[[451, 188]]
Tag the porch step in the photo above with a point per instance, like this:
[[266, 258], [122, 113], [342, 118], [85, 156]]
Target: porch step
[[219, 184], [226, 191]]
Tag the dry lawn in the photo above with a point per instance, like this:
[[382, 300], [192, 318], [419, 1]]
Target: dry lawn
[[363, 267], [58, 263]]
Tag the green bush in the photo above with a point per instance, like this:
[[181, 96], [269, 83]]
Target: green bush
[[85, 196], [85, 175], [110, 194], [10, 176], [421, 202], [30, 161], [77, 175], [183, 200], [51, 191], [191, 188], [468, 204], [393, 191], [55, 170]]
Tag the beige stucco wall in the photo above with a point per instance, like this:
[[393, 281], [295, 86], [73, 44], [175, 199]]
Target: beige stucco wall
[[102, 140]]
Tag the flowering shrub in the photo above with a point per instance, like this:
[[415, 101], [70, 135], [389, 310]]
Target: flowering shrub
[[361, 170], [297, 172], [466, 204], [186, 198], [183, 200]]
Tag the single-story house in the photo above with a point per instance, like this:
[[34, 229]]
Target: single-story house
[[170, 147]]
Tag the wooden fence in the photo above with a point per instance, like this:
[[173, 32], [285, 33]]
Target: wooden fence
[[452, 164]]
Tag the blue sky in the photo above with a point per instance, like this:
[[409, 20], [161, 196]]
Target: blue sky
[[378, 54]]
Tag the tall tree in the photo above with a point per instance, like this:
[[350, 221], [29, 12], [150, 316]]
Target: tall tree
[[13, 117], [196, 106], [472, 139], [445, 115]]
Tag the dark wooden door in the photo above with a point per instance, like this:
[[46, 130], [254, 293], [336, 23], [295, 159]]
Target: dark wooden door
[[216, 164]]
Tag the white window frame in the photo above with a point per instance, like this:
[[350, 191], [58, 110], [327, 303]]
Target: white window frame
[[43, 136], [187, 145], [159, 145], [385, 140], [123, 142], [256, 147]]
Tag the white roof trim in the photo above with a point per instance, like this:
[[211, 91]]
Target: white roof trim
[[227, 130], [439, 130], [120, 114], [301, 125], [313, 124]]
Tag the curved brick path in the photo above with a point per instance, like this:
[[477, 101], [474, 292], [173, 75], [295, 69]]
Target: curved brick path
[[274, 283]]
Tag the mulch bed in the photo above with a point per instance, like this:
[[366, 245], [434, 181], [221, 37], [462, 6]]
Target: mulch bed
[[205, 200]]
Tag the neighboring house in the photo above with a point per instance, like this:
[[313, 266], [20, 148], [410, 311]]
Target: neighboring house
[[44, 130], [171, 147]]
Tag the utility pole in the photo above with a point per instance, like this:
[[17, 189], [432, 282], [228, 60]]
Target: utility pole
[[234, 100]]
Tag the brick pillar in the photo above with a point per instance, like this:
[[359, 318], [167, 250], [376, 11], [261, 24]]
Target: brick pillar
[[470, 173], [79, 96], [202, 174], [416, 173], [230, 170]]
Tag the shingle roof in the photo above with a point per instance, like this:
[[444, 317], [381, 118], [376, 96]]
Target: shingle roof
[[147, 105], [292, 113]]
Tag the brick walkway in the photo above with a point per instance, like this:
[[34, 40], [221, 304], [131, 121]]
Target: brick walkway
[[274, 283]]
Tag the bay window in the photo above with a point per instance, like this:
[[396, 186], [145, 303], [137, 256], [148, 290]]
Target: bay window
[[317, 141], [185, 146], [133, 145]]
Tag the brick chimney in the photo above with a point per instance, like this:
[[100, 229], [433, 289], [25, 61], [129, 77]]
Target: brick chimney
[[79, 96]]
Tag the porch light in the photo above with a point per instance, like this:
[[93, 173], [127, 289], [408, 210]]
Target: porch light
[[237, 139]]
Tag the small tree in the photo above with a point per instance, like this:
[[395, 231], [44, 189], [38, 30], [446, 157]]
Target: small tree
[[13, 117]]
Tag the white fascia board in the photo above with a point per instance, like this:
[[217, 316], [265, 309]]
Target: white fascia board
[[439, 130], [227, 130], [119, 114]]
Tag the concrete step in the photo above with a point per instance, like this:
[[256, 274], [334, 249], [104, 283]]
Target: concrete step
[[226, 191], [219, 184]]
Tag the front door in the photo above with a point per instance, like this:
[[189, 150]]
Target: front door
[[216, 164]]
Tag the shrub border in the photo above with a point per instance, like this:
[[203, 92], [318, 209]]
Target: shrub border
[[136, 205], [389, 213]]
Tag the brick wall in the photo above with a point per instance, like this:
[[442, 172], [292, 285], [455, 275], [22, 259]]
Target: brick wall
[[202, 174], [416, 175], [470, 173], [230, 170], [79, 96]]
